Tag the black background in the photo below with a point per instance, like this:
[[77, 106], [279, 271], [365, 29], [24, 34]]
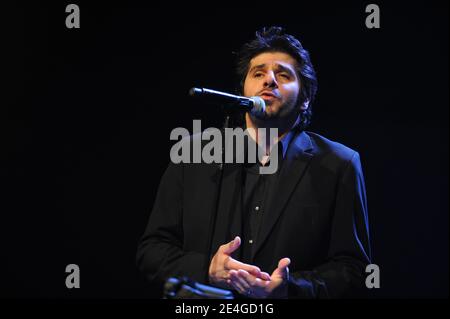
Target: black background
[[86, 115]]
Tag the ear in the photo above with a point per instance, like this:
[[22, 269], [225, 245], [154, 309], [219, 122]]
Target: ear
[[305, 105]]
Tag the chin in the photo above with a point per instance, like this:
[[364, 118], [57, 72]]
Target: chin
[[272, 111]]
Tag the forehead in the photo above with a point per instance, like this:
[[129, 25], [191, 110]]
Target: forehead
[[273, 59]]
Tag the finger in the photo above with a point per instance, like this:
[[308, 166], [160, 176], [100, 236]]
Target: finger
[[283, 263], [236, 265], [231, 246], [258, 274], [254, 282], [242, 281], [235, 282], [282, 269], [265, 276], [235, 286]]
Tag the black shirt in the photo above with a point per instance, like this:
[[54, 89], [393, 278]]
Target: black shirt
[[258, 190]]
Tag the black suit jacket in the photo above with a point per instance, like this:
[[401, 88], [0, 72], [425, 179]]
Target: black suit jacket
[[318, 218]]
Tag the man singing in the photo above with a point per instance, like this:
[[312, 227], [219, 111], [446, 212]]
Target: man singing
[[301, 232]]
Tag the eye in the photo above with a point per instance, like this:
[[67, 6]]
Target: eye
[[258, 74], [285, 75]]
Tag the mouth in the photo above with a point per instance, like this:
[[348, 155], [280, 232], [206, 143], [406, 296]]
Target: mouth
[[268, 95]]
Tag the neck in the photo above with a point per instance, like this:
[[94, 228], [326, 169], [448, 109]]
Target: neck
[[283, 125]]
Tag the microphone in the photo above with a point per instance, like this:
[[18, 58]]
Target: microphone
[[254, 104]]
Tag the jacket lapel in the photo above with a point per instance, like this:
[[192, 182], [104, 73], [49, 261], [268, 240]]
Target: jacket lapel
[[297, 159]]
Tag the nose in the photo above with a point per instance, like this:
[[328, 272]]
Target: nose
[[270, 80]]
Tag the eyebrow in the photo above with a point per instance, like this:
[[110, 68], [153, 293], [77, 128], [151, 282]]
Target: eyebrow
[[279, 66], [259, 66]]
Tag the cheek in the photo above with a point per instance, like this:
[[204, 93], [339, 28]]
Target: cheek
[[248, 88], [291, 91]]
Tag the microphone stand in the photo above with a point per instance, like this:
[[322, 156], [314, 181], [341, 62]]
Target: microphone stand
[[212, 224]]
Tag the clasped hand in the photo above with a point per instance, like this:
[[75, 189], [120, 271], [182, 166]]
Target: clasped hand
[[246, 279]]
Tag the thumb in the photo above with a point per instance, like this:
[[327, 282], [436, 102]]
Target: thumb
[[282, 269], [232, 245]]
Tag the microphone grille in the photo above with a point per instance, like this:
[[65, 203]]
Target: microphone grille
[[259, 105], [195, 91]]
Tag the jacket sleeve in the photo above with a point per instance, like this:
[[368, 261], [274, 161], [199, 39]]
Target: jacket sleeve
[[343, 275], [160, 252]]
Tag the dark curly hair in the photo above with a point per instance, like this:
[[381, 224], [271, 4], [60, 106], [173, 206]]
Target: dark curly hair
[[274, 39]]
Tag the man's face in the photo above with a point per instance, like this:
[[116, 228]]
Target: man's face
[[272, 76]]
